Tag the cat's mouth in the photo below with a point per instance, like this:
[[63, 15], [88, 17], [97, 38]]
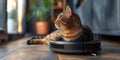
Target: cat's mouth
[[61, 26]]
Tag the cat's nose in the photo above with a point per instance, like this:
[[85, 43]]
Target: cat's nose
[[53, 19]]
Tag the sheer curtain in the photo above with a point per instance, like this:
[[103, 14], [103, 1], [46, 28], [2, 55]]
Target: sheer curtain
[[102, 16]]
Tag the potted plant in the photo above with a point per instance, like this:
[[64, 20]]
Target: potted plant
[[40, 12]]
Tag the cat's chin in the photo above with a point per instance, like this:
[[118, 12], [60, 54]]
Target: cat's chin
[[61, 28]]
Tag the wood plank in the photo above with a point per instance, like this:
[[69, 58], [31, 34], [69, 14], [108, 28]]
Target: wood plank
[[31, 55], [19, 50]]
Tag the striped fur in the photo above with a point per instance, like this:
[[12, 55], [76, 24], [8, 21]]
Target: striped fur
[[69, 28]]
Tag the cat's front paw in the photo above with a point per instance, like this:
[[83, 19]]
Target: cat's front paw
[[35, 41]]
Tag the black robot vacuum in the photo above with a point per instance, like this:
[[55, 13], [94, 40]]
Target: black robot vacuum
[[72, 46], [75, 47]]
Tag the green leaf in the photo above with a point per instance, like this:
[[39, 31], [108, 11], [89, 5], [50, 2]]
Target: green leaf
[[35, 3], [41, 10]]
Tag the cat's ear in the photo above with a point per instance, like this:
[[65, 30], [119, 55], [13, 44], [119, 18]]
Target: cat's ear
[[68, 11]]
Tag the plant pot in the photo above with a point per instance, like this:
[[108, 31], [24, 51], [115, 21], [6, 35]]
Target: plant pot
[[42, 28], [60, 4]]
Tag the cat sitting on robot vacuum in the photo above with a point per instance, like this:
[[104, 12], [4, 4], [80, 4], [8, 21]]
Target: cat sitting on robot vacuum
[[69, 28]]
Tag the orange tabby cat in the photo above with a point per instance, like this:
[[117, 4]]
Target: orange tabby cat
[[69, 28]]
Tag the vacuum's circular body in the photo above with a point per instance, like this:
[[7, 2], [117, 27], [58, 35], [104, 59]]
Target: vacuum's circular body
[[75, 47]]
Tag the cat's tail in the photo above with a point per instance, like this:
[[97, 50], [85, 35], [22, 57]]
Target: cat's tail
[[88, 34]]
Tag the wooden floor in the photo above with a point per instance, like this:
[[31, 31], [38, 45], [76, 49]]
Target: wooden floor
[[18, 50]]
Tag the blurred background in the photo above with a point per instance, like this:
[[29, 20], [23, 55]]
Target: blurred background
[[24, 18]]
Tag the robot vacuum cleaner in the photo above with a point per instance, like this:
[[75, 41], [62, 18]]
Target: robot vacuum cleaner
[[72, 46], [75, 47]]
